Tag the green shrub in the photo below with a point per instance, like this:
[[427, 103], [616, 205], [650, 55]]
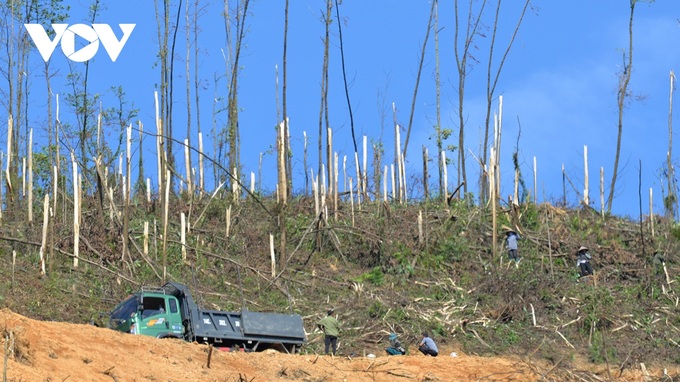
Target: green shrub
[[375, 276], [675, 231], [377, 310], [507, 334]]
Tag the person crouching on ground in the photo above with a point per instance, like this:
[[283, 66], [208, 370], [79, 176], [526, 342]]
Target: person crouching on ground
[[330, 327], [395, 347], [583, 261], [427, 346]]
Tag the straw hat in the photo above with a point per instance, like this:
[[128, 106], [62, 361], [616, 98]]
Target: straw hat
[[582, 248]]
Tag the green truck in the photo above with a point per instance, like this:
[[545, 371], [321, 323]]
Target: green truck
[[170, 312]]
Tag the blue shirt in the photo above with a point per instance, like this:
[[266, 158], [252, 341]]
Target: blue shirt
[[429, 343], [512, 241]]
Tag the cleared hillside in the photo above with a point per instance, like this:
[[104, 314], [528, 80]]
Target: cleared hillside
[[382, 275]]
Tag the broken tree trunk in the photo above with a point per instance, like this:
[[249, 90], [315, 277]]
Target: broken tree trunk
[[183, 236], [76, 205], [146, 238], [425, 175], [43, 245], [30, 176]]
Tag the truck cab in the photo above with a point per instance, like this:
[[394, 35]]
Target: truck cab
[[150, 313], [170, 312]]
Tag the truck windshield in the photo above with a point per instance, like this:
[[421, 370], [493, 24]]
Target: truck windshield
[[124, 310], [153, 306]]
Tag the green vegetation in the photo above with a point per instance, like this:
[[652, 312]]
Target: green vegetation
[[380, 275]]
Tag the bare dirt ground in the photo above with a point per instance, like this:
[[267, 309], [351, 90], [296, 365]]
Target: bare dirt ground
[[55, 351]]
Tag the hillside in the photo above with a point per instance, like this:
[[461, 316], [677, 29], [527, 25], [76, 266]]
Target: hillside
[[371, 264]]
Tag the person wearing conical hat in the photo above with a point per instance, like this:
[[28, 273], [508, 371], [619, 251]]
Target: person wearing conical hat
[[583, 261], [511, 238], [395, 347]]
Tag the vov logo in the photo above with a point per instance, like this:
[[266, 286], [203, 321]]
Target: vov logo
[[67, 35]]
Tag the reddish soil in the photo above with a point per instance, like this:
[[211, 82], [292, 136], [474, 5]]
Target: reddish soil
[[55, 351]]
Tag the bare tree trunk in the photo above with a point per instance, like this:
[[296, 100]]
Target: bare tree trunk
[[622, 94], [43, 245], [425, 174], [95, 8], [364, 177], [14, 97], [286, 135], [472, 30], [438, 127], [492, 181], [492, 81], [160, 151], [57, 164], [324, 84], [126, 197], [397, 151], [672, 202], [201, 174], [12, 189], [76, 210], [30, 177], [344, 78], [142, 188], [282, 189], [170, 98], [50, 137], [166, 207], [377, 158], [420, 70], [283, 155], [233, 132], [187, 29], [162, 25], [329, 156]]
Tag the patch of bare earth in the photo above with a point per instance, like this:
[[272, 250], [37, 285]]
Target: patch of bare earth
[[54, 351]]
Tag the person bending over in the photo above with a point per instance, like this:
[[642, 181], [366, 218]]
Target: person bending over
[[427, 346]]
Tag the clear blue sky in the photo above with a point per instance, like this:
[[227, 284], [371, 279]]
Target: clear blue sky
[[560, 80]]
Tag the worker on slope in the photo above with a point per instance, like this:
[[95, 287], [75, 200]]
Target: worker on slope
[[330, 327], [395, 347], [427, 346], [511, 238], [583, 262]]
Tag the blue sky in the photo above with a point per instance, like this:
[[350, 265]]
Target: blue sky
[[560, 80]]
